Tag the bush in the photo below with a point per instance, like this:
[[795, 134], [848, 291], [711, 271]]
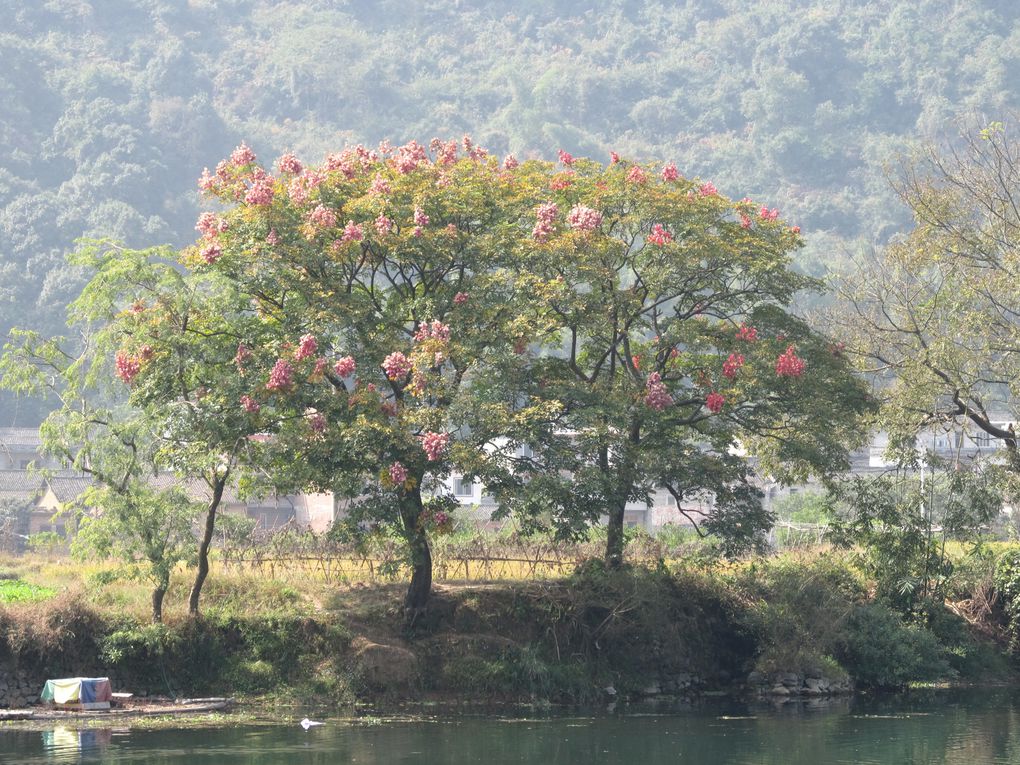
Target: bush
[[880, 650]]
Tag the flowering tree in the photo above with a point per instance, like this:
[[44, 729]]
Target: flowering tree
[[383, 341], [679, 353]]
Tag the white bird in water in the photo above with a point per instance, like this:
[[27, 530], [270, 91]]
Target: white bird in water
[[306, 723]]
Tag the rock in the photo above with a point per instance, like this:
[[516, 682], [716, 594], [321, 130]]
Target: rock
[[609, 690], [756, 678], [385, 666], [780, 690], [790, 680], [651, 690]]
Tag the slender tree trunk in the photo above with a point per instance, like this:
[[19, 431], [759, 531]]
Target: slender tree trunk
[[157, 603], [420, 588], [205, 543], [621, 481], [614, 535]]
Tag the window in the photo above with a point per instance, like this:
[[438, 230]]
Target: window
[[463, 487], [670, 500], [982, 439], [23, 464], [526, 451]]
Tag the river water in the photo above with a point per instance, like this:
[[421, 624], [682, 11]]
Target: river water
[[956, 728]]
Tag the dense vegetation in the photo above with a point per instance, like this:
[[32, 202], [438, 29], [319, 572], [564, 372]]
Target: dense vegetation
[[112, 107]]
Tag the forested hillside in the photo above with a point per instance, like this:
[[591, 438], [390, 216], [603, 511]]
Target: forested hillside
[[111, 108]]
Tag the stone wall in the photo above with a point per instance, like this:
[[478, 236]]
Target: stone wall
[[19, 689]]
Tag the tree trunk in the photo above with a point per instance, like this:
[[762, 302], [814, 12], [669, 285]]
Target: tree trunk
[[614, 535], [204, 544], [157, 603], [420, 588]]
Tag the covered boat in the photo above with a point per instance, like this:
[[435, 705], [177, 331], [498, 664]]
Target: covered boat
[[88, 692]]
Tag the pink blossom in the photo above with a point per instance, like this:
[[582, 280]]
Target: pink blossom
[[420, 218], [659, 235], [344, 162], [317, 422], [636, 175], [584, 218], [322, 216], [745, 222], [445, 151], [206, 182], [562, 181], [249, 404], [708, 189], [795, 230], [766, 214], [732, 365], [398, 474], [273, 238], [297, 190], [281, 377], [242, 155], [211, 253], [307, 346], [715, 402], [747, 333], [396, 365], [345, 367], [434, 331], [417, 231], [434, 444], [545, 216], [261, 193], [243, 355], [210, 225], [379, 185], [127, 366], [418, 383], [789, 364], [289, 164], [460, 298], [614, 158], [669, 172], [656, 395], [223, 170], [409, 156], [566, 158], [353, 232], [510, 162], [320, 368], [383, 225]]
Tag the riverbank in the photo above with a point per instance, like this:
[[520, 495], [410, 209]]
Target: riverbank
[[789, 626]]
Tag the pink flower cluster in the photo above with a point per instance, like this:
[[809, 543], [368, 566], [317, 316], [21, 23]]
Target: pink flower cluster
[[243, 354], [715, 402], [566, 158], [322, 216], [584, 218], [398, 474], [345, 367], [379, 185], [434, 444], [409, 156], [510, 162], [250, 405], [420, 218], [656, 395], [127, 366], [562, 181], [317, 422], [210, 225], [211, 253], [272, 239], [636, 175], [242, 155], [659, 235], [307, 346], [434, 331], [732, 365], [445, 151], [614, 158], [745, 222], [396, 365], [289, 164], [545, 218], [460, 298], [708, 189], [669, 172], [353, 232], [747, 333], [281, 377], [383, 225], [789, 364], [766, 214], [260, 193]]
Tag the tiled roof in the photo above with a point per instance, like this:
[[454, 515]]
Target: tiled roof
[[20, 483], [67, 487], [19, 439]]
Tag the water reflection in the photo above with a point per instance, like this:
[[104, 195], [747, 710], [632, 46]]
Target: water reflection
[[951, 729]]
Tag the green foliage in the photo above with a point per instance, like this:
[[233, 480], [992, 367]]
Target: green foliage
[[903, 523], [880, 650], [1007, 585], [20, 591]]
